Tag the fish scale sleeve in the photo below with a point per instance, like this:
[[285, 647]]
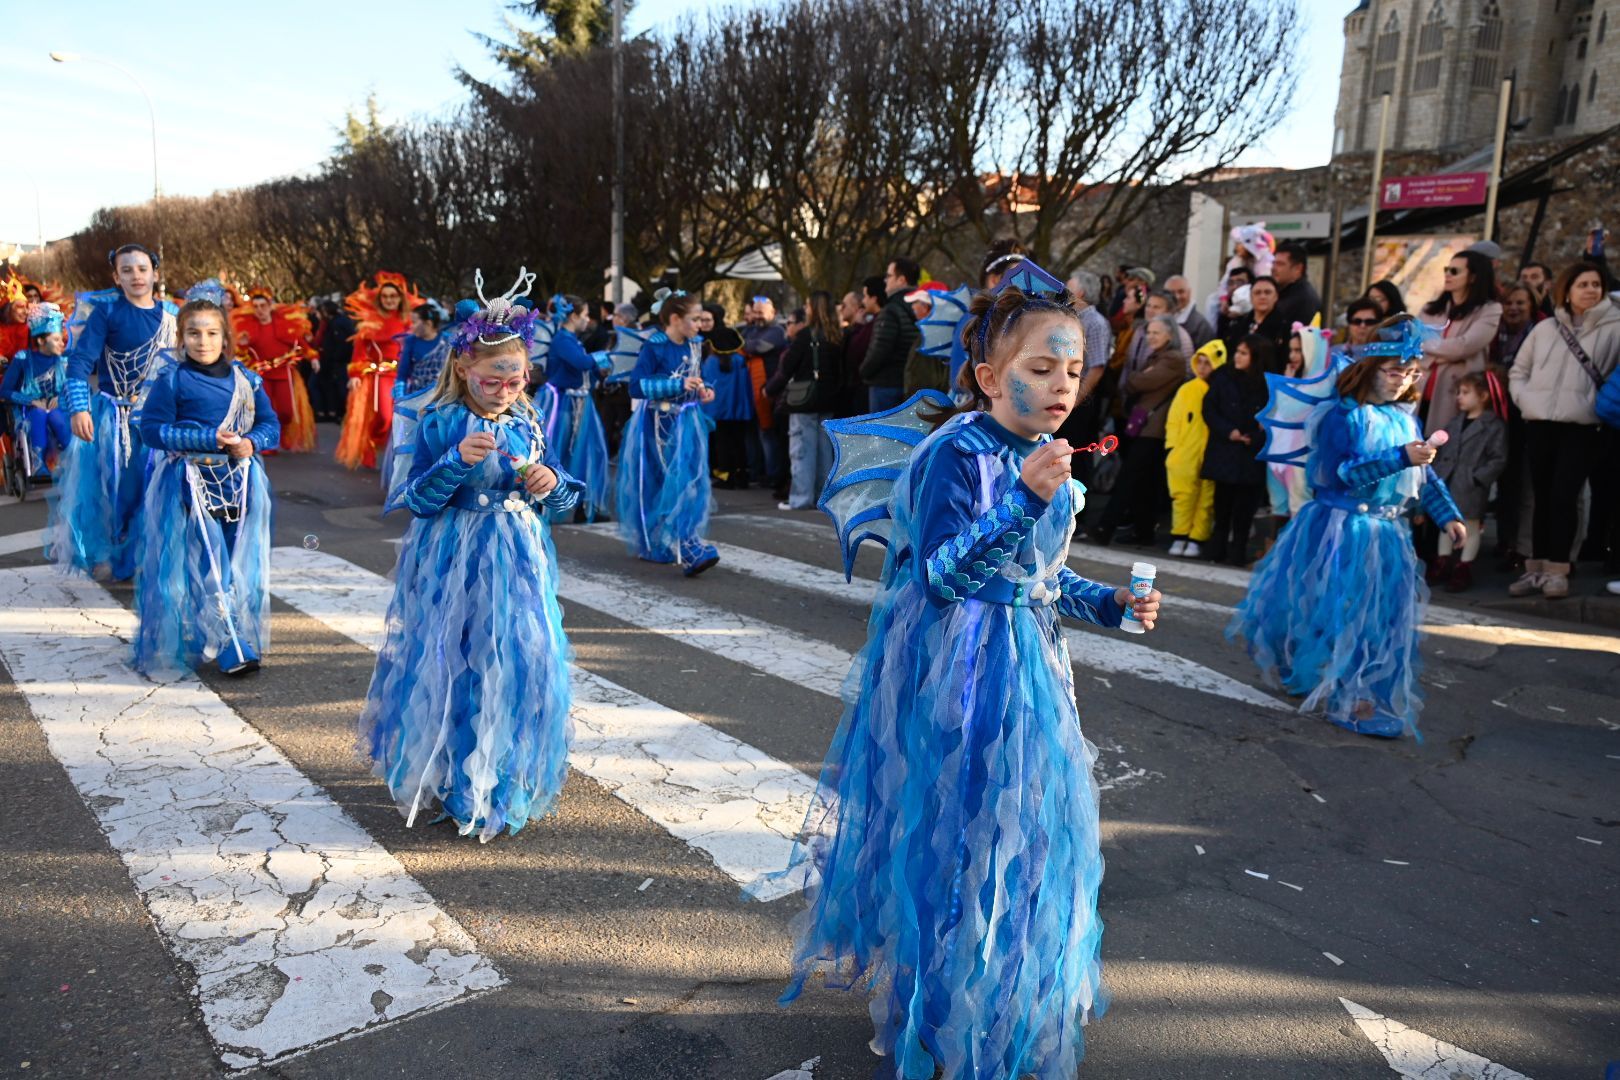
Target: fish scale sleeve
[[1088, 601]]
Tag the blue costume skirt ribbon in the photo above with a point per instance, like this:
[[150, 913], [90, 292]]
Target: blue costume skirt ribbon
[[468, 706], [663, 496], [951, 855], [397, 457], [1333, 611], [202, 586], [95, 506], [581, 443]]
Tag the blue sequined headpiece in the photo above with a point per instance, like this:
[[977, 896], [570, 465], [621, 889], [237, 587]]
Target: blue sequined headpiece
[[44, 319], [1402, 340], [1030, 280], [210, 289], [560, 307], [499, 320]]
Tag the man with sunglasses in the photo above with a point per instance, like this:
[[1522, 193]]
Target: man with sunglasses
[[1360, 319]]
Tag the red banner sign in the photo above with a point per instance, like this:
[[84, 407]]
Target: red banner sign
[[1444, 189]]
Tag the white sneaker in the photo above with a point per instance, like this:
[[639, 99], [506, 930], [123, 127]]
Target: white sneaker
[[784, 506], [1192, 550], [1614, 587], [1178, 548]]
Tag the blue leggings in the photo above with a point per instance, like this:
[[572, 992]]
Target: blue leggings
[[43, 424]]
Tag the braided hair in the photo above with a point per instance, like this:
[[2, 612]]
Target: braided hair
[[991, 319]]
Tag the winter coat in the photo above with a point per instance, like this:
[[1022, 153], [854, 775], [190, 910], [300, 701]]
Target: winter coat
[[894, 332], [1151, 387], [1546, 380], [1232, 404], [1465, 348], [1472, 460], [809, 356]]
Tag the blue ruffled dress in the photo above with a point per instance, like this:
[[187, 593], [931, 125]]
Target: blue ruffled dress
[[1333, 609], [417, 376], [573, 425], [205, 528], [951, 855], [468, 706], [95, 507], [662, 495]]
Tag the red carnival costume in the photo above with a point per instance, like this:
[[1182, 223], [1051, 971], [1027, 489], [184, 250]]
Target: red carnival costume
[[377, 337], [273, 349], [13, 335]]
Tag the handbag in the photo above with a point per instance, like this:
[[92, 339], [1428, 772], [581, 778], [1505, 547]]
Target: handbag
[[801, 393]]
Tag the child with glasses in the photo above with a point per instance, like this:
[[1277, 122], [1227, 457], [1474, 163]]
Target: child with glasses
[[468, 706]]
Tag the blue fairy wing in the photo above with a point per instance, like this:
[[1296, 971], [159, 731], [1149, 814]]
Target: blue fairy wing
[[940, 326], [869, 453]]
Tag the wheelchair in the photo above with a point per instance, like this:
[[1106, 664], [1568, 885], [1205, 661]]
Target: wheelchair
[[16, 454]]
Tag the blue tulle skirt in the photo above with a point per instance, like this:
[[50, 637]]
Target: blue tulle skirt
[[468, 706], [189, 561], [952, 853], [1333, 612], [95, 506], [576, 430], [662, 492]]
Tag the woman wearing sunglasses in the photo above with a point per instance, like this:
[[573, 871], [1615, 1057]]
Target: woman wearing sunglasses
[[1467, 314]]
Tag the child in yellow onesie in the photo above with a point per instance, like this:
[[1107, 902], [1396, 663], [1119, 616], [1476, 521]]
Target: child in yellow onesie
[[1192, 498]]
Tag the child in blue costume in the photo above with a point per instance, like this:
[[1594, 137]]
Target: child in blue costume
[[32, 382], [662, 496], [201, 588], [1333, 610], [468, 706], [952, 853], [576, 429], [95, 509], [422, 354]]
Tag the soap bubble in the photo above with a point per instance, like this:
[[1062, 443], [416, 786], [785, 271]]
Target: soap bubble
[[312, 542]]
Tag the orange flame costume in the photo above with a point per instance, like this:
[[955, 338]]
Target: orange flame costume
[[13, 335], [273, 350], [370, 414]]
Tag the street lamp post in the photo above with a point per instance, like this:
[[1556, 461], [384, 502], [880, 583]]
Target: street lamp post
[[151, 112], [618, 154]]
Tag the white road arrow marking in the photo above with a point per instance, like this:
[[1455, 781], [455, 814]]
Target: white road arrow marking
[[1417, 1056]]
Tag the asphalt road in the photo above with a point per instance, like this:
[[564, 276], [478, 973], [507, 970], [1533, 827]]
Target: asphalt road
[[1262, 865]]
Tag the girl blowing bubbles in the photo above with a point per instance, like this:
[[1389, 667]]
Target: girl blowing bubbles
[[204, 550], [468, 706], [952, 850]]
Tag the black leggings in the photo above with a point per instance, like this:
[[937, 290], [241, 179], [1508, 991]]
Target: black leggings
[[1235, 505], [1560, 459]]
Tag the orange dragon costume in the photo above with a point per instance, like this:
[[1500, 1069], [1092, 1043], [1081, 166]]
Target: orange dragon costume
[[370, 414], [273, 350]]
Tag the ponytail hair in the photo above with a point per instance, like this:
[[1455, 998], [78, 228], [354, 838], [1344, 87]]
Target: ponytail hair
[[991, 318]]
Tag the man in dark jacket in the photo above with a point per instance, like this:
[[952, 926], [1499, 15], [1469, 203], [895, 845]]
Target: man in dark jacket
[[1297, 299], [337, 349], [894, 332]]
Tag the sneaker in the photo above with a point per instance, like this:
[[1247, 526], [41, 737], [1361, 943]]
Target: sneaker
[[1614, 587], [784, 506], [697, 557], [1530, 583], [1178, 548], [232, 662], [1192, 551], [1555, 581]]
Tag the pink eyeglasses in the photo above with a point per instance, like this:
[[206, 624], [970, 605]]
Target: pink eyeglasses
[[495, 386]]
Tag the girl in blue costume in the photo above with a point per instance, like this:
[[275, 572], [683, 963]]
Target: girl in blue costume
[[468, 706], [576, 429], [662, 496], [422, 354], [32, 382], [1333, 610], [201, 589], [952, 852], [95, 509]]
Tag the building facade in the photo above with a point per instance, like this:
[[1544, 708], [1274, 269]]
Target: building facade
[[1442, 63]]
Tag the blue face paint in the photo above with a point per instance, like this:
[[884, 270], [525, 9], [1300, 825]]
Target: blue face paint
[[1063, 346], [1020, 396]]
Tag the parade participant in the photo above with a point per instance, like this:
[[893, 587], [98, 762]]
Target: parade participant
[[576, 429], [381, 310], [96, 506], [1333, 611], [951, 854], [725, 371], [1192, 498], [273, 339], [32, 383], [14, 333], [201, 590], [468, 706], [422, 355], [662, 496]]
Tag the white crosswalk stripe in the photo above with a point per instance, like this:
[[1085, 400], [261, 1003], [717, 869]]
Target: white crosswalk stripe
[[33, 540], [723, 797], [299, 927], [822, 667]]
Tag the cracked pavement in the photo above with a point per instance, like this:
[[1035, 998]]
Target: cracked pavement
[[1448, 879]]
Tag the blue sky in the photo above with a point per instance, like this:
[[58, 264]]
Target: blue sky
[[261, 91]]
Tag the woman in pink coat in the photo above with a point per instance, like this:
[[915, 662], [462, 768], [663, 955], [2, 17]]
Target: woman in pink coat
[[1467, 313]]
